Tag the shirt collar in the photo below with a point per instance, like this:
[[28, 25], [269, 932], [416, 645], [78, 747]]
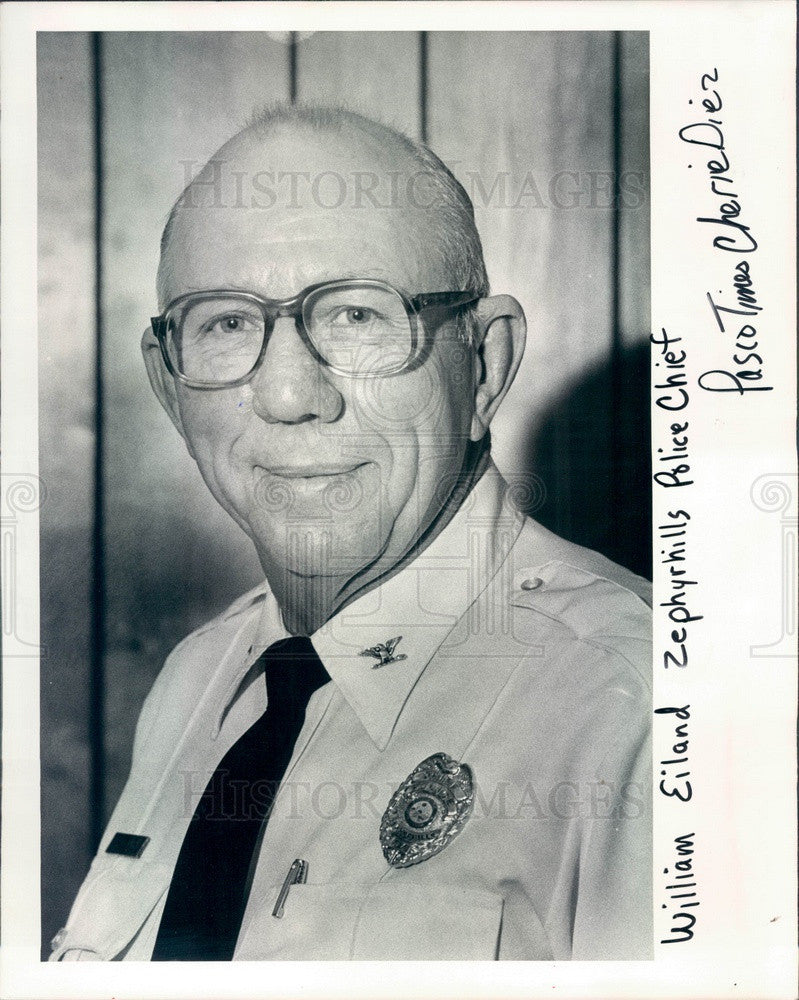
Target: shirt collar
[[421, 604]]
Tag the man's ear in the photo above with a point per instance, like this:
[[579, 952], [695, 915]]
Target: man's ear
[[161, 381], [499, 346]]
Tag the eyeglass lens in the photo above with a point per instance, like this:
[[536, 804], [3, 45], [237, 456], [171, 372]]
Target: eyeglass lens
[[356, 329]]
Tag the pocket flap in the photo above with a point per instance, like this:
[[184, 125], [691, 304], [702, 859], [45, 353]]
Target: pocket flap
[[405, 921], [384, 922]]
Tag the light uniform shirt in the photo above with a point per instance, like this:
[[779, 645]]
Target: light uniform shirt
[[527, 658]]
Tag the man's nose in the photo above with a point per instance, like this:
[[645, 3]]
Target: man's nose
[[291, 386]]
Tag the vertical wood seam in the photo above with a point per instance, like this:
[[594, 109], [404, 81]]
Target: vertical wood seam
[[97, 665], [423, 86], [293, 67], [617, 387]]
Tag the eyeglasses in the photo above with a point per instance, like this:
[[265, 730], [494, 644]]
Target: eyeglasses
[[360, 328]]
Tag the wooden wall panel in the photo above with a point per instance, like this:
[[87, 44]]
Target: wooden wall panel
[[376, 73], [629, 538], [66, 451], [524, 120], [634, 284], [174, 557]]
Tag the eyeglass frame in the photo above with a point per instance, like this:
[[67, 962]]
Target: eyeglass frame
[[274, 309]]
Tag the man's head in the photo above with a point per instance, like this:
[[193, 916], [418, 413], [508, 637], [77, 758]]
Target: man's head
[[335, 477]]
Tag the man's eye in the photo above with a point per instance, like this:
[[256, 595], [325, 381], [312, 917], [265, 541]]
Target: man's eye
[[230, 324], [353, 316]]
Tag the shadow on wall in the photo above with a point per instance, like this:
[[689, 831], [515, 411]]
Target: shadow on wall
[[593, 457]]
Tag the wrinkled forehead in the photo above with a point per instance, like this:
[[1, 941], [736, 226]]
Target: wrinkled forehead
[[282, 213]]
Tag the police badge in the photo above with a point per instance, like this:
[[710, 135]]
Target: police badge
[[427, 811]]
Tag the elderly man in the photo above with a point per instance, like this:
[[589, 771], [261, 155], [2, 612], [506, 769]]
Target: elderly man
[[425, 736]]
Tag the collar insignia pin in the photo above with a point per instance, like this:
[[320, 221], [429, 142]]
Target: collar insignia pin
[[427, 811], [384, 652]]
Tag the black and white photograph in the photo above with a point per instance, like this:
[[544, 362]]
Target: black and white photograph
[[412, 386], [456, 743]]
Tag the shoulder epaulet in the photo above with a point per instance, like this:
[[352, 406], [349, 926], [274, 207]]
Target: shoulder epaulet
[[587, 604]]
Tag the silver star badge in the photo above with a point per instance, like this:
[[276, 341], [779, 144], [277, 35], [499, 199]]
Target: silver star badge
[[384, 652]]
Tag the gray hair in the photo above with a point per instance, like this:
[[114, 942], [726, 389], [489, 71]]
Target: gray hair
[[458, 242]]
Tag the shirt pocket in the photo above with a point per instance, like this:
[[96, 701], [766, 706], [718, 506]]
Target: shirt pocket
[[113, 903], [396, 922], [406, 921]]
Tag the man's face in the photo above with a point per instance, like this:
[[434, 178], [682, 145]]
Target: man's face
[[327, 474]]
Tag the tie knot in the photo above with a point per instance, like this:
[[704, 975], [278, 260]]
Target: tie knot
[[293, 647], [294, 661]]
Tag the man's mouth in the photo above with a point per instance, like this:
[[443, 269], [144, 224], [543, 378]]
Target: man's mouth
[[320, 470], [334, 482]]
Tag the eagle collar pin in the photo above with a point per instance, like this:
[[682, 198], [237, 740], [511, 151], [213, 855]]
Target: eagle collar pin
[[427, 811], [384, 652]]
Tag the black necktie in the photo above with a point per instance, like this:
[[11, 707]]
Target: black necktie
[[211, 881]]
